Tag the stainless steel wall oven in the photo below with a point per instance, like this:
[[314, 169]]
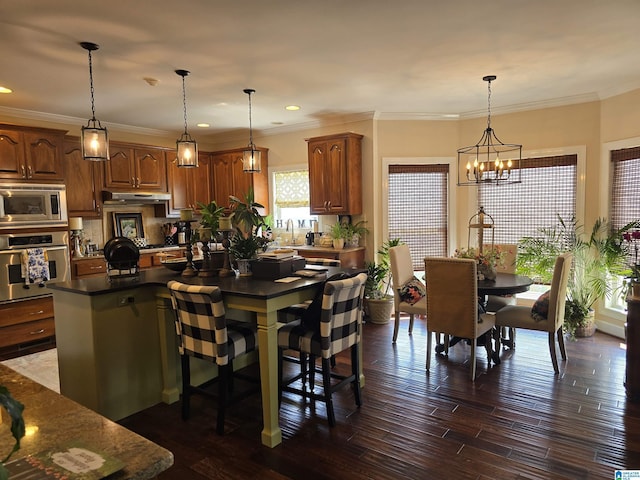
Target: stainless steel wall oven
[[13, 285]]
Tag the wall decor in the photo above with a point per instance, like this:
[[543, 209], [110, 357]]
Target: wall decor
[[128, 225]]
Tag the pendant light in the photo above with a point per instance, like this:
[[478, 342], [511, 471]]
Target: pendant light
[[251, 156], [187, 148], [94, 137], [489, 160]]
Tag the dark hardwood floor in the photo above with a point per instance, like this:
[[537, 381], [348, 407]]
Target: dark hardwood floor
[[518, 420]]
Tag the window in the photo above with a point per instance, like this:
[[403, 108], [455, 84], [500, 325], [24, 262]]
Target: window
[[623, 206], [291, 199], [417, 209], [548, 189]]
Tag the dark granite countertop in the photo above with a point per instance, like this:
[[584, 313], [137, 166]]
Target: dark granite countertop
[[55, 421]]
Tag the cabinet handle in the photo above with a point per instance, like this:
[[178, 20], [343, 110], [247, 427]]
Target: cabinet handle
[[39, 312], [30, 170], [133, 181], [24, 172], [96, 267], [37, 332], [138, 182]]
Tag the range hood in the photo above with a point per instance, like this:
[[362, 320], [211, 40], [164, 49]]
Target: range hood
[[113, 197]]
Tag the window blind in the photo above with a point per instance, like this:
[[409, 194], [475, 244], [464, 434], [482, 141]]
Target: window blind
[[548, 189], [418, 209], [625, 186], [291, 189]]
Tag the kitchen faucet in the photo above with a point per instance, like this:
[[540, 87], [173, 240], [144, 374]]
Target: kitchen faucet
[[293, 237]]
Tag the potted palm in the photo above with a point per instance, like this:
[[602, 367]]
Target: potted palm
[[246, 220], [595, 258], [378, 304]]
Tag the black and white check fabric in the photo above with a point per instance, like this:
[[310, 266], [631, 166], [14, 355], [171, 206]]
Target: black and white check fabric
[[202, 327], [294, 312], [340, 321]]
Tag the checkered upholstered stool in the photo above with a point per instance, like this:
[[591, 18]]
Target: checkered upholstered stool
[[340, 327], [204, 332]]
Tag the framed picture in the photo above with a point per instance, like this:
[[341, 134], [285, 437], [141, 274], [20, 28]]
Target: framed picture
[[128, 225]]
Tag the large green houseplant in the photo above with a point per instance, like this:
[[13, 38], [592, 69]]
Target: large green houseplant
[[246, 220], [14, 408], [596, 257], [378, 304]]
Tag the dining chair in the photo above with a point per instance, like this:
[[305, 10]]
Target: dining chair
[[204, 332], [496, 302], [402, 275], [339, 328], [452, 305], [519, 316], [294, 312]]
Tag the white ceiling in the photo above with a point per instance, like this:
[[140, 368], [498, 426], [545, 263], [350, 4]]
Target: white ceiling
[[334, 58]]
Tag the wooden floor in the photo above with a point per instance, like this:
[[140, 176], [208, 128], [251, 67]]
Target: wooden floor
[[518, 420]]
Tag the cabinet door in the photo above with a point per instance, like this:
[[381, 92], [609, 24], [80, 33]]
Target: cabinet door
[[83, 181], [222, 173], [119, 171], [151, 169], [43, 155], [202, 190], [242, 181], [12, 161], [336, 189], [178, 179]]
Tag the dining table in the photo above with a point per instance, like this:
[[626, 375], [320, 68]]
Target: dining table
[[503, 284]]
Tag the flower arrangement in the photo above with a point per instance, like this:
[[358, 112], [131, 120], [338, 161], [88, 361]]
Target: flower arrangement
[[632, 237], [487, 260]]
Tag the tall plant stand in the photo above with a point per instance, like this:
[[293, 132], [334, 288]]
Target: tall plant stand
[[226, 271], [190, 270]]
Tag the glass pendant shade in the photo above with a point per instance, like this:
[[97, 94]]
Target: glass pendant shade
[[95, 142], [186, 147], [251, 160], [187, 151], [94, 138], [251, 157]]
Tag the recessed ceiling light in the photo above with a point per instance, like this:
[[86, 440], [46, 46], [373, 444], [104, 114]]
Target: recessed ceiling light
[[292, 108], [277, 123], [5, 90], [203, 125]]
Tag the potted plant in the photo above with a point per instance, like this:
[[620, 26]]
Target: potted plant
[[355, 231], [245, 216], [595, 258], [14, 408], [339, 233], [210, 220], [378, 304]]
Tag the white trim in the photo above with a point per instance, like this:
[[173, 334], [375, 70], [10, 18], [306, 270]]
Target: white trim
[[452, 197]]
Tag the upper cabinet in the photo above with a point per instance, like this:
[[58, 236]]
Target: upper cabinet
[[31, 154], [135, 167], [189, 186], [335, 174], [83, 180], [229, 179]]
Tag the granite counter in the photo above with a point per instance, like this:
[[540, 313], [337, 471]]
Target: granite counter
[[53, 420]]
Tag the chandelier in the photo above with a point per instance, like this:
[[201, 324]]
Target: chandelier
[[94, 137], [187, 148], [251, 156], [489, 160]]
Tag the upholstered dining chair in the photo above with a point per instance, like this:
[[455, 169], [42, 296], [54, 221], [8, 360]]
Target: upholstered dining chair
[[401, 276], [204, 332], [553, 302], [496, 302], [338, 328], [452, 305], [294, 312]]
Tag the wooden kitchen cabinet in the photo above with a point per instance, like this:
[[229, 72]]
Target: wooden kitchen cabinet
[[335, 174], [229, 179], [31, 154], [87, 266], [188, 186], [83, 180], [137, 167], [24, 324]]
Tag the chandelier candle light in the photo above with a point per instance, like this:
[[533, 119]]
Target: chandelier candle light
[[187, 149], [489, 160], [94, 137], [251, 156]]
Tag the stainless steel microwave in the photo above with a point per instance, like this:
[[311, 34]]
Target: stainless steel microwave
[[30, 205]]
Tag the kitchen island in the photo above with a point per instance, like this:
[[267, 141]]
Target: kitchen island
[[117, 350], [53, 421]]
